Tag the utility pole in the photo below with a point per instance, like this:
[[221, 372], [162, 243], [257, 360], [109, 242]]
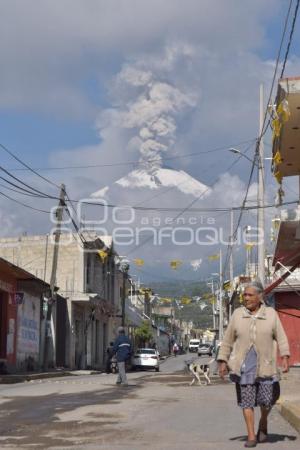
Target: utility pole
[[231, 259], [221, 315], [213, 302], [123, 298], [49, 336], [124, 270], [148, 311], [260, 193]]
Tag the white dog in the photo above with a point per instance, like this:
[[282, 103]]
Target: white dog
[[198, 370]]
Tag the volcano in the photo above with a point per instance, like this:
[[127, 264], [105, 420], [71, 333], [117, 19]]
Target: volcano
[[166, 184]]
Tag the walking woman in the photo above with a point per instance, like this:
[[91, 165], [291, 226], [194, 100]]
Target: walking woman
[[249, 352]]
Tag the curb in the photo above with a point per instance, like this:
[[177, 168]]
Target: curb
[[21, 378], [13, 379], [291, 412]]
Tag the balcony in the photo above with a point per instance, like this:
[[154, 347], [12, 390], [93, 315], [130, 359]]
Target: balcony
[[286, 129]]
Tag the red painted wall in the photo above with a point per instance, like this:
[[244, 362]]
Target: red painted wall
[[8, 288], [288, 307]]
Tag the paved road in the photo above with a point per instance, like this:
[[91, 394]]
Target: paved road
[[157, 411]]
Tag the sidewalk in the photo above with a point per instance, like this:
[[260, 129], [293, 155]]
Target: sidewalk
[[21, 377], [289, 402]]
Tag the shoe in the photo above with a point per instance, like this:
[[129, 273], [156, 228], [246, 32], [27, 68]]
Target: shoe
[[118, 382], [250, 444], [262, 435]]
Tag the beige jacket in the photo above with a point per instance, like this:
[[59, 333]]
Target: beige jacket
[[264, 331]]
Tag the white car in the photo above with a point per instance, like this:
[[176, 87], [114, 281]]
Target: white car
[[193, 345], [147, 358]]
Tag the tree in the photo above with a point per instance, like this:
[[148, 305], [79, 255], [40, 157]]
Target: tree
[[143, 333]]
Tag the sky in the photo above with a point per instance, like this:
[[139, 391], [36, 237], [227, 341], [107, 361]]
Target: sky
[[122, 82]]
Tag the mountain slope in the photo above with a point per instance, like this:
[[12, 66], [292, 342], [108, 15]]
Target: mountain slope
[[141, 179]]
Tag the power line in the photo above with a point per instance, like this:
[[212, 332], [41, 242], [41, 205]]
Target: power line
[[20, 189], [25, 184], [290, 38], [27, 166], [19, 192], [264, 125], [233, 236], [130, 163], [23, 204], [164, 209]]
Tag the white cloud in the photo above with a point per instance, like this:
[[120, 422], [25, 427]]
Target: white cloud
[[178, 79], [49, 50]]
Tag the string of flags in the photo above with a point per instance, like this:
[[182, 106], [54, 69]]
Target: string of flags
[[175, 264], [281, 114]]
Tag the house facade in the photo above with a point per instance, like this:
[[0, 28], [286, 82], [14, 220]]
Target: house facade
[[22, 320], [88, 277]]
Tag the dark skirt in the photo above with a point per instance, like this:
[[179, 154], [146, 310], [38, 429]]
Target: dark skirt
[[257, 394]]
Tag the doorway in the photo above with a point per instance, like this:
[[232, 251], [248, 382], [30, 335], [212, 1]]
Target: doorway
[[3, 324]]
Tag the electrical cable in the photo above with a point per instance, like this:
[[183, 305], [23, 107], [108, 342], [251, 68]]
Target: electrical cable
[[290, 38], [234, 234], [23, 204], [264, 126], [25, 184], [264, 129], [187, 208], [130, 163], [21, 190], [27, 166]]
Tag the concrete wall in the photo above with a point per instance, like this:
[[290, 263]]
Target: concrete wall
[[79, 273], [35, 254], [287, 304]]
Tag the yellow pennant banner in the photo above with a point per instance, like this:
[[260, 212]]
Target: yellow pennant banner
[[277, 158], [186, 300], [103, 255], [165, 300], [139, 262], [250, 245], [175, 264], [276, 125], [213, 257], [283, 111], [278, 177]]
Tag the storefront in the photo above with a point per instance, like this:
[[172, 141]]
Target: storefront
[[8, 320]]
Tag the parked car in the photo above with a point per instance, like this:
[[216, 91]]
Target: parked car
[[205, 349], [146, 358], [193, 345]]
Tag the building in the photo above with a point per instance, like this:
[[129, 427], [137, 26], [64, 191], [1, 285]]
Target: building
[[22, 320], [285, 281], [88, 277]]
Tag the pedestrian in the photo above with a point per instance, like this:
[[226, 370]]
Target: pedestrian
[[109, 355], [249, 352], [122, 349], [175, 349]]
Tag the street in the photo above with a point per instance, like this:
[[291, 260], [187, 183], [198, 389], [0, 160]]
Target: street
[[157, 410]]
